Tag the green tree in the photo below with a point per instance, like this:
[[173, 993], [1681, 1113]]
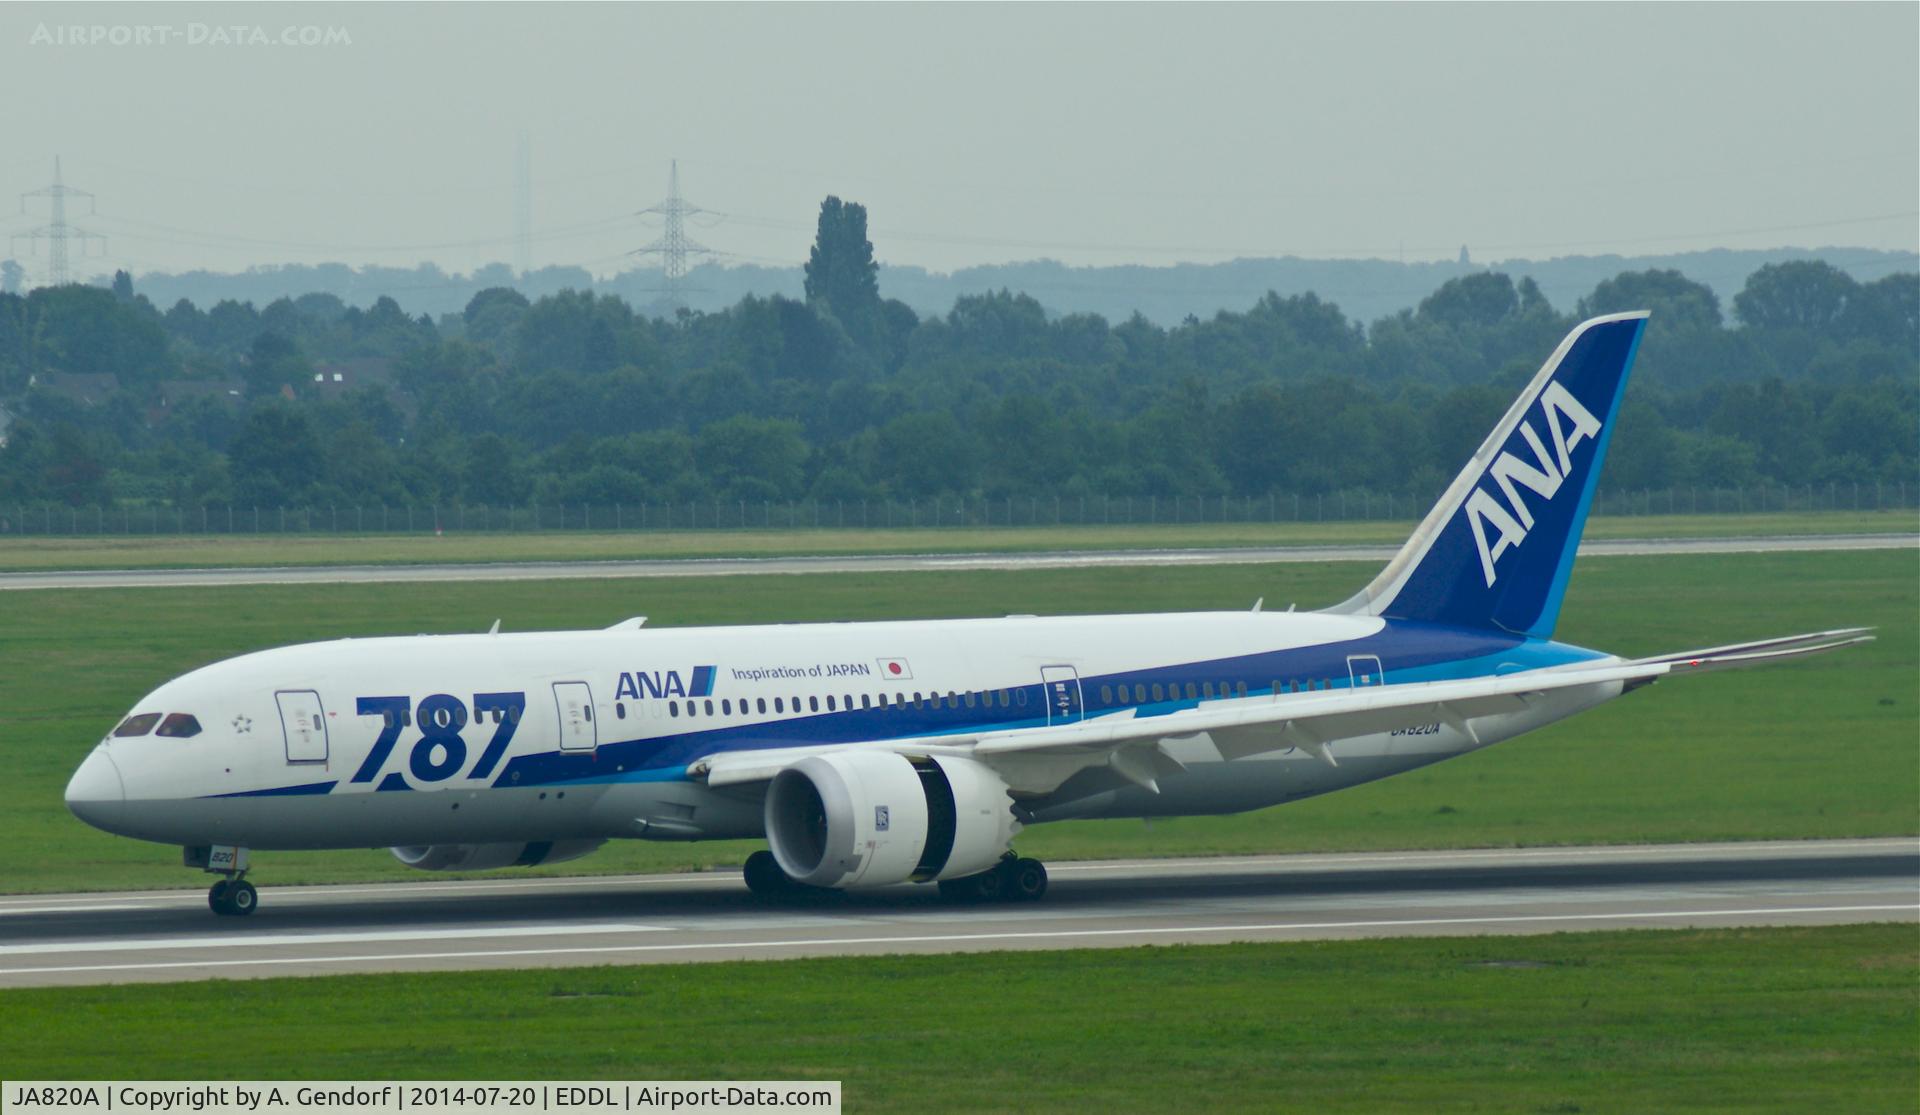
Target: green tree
[[1802, 294], [274, 362], [492, 297], [491, 472], [744, 457], [1887, 311], [1678, 303], [75, 468], [86, 329], [1485, 298], [275, 458], [923, 454], [840, 271]]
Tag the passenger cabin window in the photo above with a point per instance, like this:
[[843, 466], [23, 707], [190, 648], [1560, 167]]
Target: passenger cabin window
[[137, 725], [673, 708], [1192, 692], [1240, 689], [1106, 694], [779, 704], [813, 704], [619, 711], [179, 726]]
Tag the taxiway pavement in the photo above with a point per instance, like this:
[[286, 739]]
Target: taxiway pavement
[[875, 563]]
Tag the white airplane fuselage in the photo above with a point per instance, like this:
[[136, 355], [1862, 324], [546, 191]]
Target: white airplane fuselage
[[587, 735]]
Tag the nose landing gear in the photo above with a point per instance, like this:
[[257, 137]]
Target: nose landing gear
[[232, 896]]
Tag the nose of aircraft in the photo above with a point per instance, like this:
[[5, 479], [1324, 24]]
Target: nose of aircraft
[[95, 793]]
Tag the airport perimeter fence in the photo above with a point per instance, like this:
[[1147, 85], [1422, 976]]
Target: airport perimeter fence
[[938, 513]]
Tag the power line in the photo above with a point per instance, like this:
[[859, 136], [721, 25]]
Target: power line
[[195, 237], [57, 233]]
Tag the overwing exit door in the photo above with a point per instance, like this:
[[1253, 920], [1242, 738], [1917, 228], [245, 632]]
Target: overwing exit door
[[578, 732], [1062, 685], [1364, 671]]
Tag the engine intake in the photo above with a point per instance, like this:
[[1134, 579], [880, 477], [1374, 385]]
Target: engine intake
[[487, 857], [874, 818]]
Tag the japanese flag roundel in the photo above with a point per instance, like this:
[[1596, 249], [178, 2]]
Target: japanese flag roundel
[[895, 669]]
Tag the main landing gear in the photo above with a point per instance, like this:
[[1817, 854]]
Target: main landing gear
[[1013, 879], [766, 880], [232, 896]]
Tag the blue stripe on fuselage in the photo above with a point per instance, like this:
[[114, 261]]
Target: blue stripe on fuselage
[[1408, 651]]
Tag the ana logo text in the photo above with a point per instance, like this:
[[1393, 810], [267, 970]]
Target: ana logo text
[[1567, 423], [659, 684]]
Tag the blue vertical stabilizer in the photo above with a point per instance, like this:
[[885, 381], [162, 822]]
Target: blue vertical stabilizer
[[1496, 551]]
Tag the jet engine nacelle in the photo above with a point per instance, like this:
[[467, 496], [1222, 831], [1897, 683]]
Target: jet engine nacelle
[[486, 857], [873, 818]]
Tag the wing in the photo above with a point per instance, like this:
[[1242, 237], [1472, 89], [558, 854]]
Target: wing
[[1243, 727]]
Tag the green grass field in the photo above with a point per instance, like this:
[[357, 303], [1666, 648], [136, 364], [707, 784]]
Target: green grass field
[[1827, 747], [1775, 1020], [183, 551]]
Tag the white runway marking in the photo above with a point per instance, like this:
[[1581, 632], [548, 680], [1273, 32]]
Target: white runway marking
[[264, 940], [5, 910], [967, 938], [1637, 852]]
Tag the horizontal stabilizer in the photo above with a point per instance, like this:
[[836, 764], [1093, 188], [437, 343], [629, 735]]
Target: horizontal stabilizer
[[1759, 653]]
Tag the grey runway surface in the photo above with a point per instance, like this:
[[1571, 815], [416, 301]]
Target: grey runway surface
[[877, 563], [525, 923]]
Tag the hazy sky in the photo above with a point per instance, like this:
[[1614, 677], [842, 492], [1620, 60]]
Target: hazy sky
[[973, 133]]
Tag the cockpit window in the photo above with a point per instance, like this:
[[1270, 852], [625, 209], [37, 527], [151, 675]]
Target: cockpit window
[[137, 725], [179, 725]]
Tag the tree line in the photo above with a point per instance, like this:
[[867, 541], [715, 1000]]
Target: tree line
[[1809, 377]]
